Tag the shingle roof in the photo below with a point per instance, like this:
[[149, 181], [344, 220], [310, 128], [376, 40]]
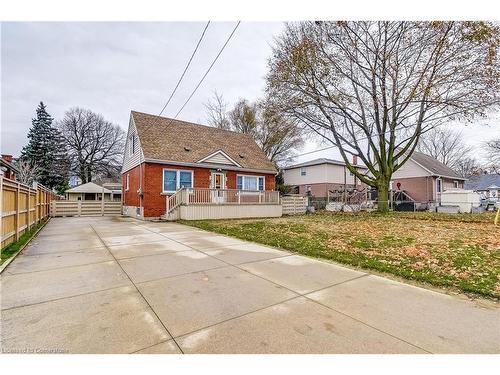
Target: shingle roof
[[482, 182], [435, 167], [317, 162], [8, 164], [89, 187], [167, 139]]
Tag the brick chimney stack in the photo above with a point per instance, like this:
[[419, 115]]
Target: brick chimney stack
[[7, 157], [355, 160]]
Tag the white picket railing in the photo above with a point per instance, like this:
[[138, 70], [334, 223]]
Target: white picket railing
[[206, 196]]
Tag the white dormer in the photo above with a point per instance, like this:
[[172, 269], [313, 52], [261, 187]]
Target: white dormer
[[219, 157]]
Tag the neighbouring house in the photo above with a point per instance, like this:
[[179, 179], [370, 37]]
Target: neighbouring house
[[8, 169], [320, 176], [177, 169], [487, 185], [90, 191], [74, 181], [423, 178]]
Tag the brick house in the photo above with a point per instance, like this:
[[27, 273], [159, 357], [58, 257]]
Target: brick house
[[318, 177], [8, 170], [424, 178], [171, 163]]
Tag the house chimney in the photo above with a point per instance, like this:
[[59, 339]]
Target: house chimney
[[7, 157], [355, 160]]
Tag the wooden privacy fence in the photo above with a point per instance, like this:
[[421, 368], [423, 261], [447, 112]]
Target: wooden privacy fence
[[21, 207], [294, 204], [85, 208]]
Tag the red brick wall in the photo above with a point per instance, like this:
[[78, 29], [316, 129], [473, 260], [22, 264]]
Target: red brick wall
[[154, 201], [131, 197], [419, 188]]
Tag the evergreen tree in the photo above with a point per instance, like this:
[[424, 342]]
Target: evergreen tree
[[46, 150]]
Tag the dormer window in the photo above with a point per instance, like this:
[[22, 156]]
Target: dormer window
[[132, 144]]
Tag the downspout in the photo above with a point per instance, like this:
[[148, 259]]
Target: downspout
[[141, 192]]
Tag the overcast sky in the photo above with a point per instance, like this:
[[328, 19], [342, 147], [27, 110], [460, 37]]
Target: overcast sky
[[112, 68]]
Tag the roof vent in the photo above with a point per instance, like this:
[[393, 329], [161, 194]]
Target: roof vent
[[187, 148], [241, 156]]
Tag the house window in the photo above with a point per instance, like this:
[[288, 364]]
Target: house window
[[455, 184], [303, 171], [439, 187], [132, 144], [127, 182], [175, 179], [185, 179], [253, 183]]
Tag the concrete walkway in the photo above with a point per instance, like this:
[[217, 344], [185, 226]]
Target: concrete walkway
[[117, 285]]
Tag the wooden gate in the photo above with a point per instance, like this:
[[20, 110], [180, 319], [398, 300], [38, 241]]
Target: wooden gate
[[85, 208]]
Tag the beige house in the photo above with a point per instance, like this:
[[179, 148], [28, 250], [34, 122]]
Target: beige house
[[318, 177], [93, 192], [423, 178]]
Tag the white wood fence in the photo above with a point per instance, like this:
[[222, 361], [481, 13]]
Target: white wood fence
[[294, 204], [85, 208]]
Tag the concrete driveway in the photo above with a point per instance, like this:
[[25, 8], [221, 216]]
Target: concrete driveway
[[117, 285]]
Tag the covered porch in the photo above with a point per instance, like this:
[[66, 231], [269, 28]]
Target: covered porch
[[211, 203]]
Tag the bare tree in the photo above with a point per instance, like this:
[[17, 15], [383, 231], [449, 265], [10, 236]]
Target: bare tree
[[493, 154], [467, 167], [447, 146], [27, 172], [217, 112], [373, 88], [95, 145], [243, 117], [277, 135]]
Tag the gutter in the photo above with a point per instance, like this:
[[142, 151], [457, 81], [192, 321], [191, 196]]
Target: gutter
[[208, 165]]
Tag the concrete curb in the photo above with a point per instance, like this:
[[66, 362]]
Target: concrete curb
[[8, 261]]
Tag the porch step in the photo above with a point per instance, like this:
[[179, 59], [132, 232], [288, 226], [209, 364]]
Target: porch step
[[172, 216]]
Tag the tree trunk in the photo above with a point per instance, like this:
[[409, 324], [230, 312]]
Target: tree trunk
[[83, 174], [383, 196]]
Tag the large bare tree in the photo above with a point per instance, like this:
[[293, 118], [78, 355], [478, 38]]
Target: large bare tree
[[493, 154], [217, 112], [27, 172], [373, 88], [277, 135], [95, 145], [447, 146]]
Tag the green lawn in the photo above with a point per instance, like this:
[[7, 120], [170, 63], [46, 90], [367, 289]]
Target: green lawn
[[11, 249], [454, 251]]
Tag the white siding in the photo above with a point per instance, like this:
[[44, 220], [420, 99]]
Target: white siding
[[229, 211], [318, 174], [315, 174], [218, 158], [131, 161], [410, 169]]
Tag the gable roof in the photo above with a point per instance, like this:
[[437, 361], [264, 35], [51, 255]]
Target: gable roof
[[483, 182], [8, 164], [318, 162], [434, 167], [169, 140], [89, 187]]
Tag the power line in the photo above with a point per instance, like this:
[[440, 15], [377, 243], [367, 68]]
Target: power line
[[208, 70], [335, 146], [186, 68]]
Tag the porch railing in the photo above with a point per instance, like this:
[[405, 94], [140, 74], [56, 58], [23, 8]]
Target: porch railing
[[204, 196]]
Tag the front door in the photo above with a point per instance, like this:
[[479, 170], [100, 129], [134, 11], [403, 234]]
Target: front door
[[218, 186]]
